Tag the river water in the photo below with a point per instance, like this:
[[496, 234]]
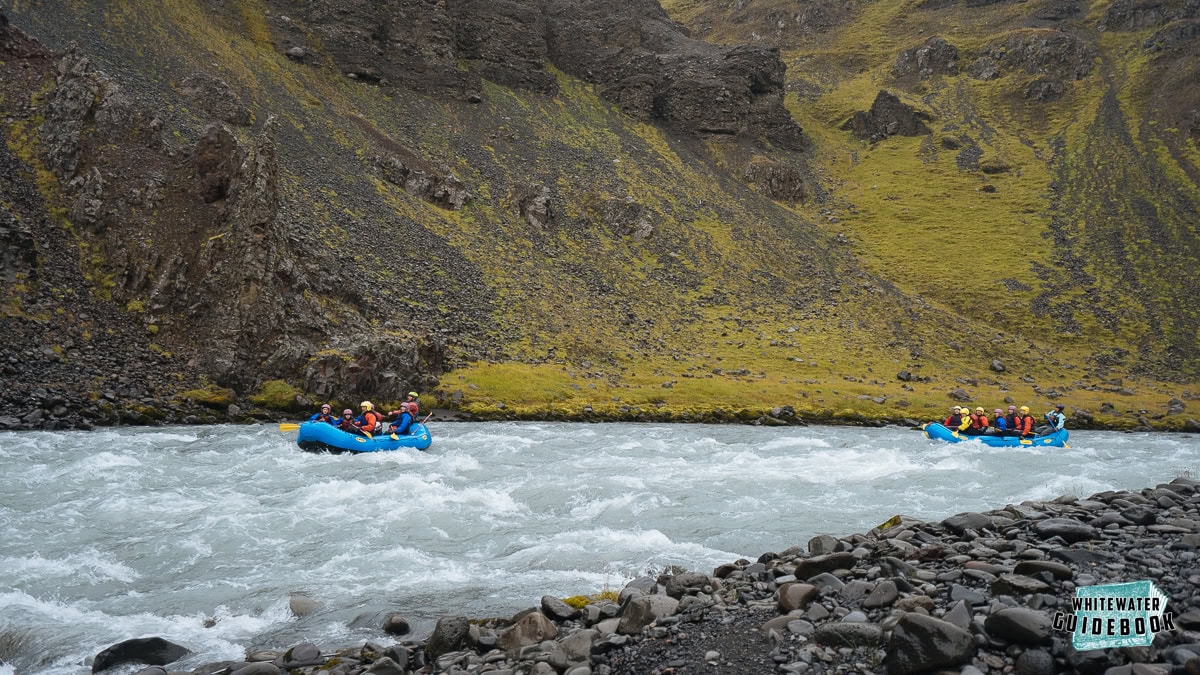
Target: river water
[[202, 534]]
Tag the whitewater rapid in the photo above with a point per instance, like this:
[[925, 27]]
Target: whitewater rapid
[[202, 535]]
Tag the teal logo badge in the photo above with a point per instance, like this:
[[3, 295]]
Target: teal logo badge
[[1115, 615]]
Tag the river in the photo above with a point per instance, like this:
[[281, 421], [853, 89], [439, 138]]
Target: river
[[202, 534]]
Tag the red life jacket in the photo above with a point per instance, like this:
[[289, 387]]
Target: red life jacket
[[979, 422], [371, 419], [1025, 424]]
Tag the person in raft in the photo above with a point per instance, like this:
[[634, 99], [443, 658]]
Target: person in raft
[[959, 420], [412, 398], [402, 424], [347, 423], [1055, 420], [1024, 426], [978, 423], [370, 421], [999, 424], [326, 415]]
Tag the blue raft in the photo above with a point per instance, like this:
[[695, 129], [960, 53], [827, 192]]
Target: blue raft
[[322, 437], [1057, 439]]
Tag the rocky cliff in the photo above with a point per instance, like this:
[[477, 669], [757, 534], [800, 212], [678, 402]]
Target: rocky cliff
[[630, 210]]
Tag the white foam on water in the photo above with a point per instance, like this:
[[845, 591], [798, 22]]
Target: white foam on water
[[793, 442], [634, 503], [88, 565], [150, 532]]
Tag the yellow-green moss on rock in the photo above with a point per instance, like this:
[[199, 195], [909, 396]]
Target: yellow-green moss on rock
[[276, 395], [210, 396]]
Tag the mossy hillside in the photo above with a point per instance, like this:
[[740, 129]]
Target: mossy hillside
[[725, 273]]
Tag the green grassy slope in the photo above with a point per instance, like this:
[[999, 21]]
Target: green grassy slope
[[734, 302]]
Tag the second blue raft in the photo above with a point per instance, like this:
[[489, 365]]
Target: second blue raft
[[936, 431]]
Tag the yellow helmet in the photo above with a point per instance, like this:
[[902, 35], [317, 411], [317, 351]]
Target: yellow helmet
[[1024, 408], [979, 409], [412, 394], [366, 404]]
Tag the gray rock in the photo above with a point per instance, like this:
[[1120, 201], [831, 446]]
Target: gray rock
[[642, 611], [960, 592], [1031, 567], [856, 589], [558, 610], [1069, 529], [449, 634], [1018, 584], [153, 651], [577, 648], [810, 567], [395, 624], [302, 605], [687, 583], [385, 666], [795, 596], [533, 628], [884, 595], [921, 643], [1020, 625], [258, 669], [1035, 662], [966, 521], [849, 635], [301, 655], [827, 583], [823, 544], [959, 615], [801, 627]]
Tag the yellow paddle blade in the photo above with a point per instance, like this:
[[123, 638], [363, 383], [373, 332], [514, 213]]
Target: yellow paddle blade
[[288, 427], [368, 434]]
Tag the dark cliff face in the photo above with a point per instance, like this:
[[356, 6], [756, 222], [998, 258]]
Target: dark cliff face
[[642, 60]]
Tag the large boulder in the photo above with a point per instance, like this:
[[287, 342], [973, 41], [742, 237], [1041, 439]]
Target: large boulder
[[449, 634], [920, 643], [888, 116], [530, 629], [643, 610], [153, 651]]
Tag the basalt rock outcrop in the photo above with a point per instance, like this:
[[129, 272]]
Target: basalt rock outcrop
[[935, 57], [409, 43], [640, 59], [888, 116], [1127, 15], [649, 66], [1051, 53]]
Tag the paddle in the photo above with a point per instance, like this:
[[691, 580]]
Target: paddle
[[396, 438], [284, 426]]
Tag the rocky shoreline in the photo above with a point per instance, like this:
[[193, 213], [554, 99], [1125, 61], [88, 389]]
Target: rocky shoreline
[[975, 593], [126, 401]]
